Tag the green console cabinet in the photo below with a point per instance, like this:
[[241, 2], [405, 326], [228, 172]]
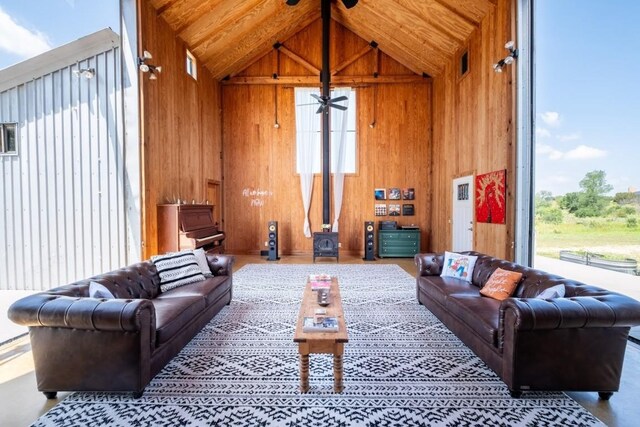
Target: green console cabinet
[[398, 243]]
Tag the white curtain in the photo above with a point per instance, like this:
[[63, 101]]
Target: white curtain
[[307, 135], [339, 125]]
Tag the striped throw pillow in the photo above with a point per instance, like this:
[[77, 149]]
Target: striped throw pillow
[[177, 269]]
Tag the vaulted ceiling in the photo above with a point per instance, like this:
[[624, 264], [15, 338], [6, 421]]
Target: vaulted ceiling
[[229, 35]]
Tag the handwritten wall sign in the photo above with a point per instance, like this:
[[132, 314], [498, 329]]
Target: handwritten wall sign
[[256, 196]]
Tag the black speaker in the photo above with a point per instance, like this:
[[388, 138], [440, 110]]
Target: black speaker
[[368, 241], [272, 241]]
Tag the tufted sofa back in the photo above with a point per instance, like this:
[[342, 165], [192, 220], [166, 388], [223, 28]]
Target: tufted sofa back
[[139, 280], [533, 281]]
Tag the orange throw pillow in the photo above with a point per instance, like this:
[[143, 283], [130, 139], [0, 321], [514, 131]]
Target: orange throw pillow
[[501, 285]]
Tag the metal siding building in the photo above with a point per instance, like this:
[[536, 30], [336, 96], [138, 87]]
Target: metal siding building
[[62, 213]]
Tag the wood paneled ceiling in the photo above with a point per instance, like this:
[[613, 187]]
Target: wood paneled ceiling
[[229, 35]]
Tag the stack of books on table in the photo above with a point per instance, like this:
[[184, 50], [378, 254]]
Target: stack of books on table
[[319, 281], [329, 324]]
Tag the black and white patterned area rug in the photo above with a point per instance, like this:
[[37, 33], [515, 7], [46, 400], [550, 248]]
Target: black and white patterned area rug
[[402, 367]]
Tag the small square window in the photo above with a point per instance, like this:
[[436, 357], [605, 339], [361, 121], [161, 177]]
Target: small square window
[[464, 63], [192, 65], [8, 141]]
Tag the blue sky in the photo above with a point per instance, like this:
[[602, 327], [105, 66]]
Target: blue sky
[[587, 93], [29, 27], [587, 90]]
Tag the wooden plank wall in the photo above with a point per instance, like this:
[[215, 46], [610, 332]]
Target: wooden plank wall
[[181, 125], [473, 132], [260, 181]]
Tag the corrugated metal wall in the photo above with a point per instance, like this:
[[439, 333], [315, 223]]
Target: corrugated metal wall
[[61, 198]]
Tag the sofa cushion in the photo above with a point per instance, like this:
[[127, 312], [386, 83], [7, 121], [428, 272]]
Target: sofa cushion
[[210, 289], [173, 312], [457, 265], [479, 314], [177, 269], [501, 285], [438, 288]]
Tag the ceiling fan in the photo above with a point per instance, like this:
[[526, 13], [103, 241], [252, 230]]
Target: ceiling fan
[[326, 102], [325, 99]]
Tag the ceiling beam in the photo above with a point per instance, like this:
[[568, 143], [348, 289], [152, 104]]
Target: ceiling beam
[[335, 81], [297, 58], [352, 59]]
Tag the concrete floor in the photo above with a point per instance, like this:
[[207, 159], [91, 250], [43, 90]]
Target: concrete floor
[[22, 404]]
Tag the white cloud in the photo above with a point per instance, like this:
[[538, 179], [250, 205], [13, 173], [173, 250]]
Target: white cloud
[[18, 40], [551, 118], [569, 137], [583, 152], [549, 151], [542, 133]]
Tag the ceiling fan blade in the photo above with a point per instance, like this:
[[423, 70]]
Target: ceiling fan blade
[[338, 99], [339, 107], [304, 105], [320, 110], [313, 95]]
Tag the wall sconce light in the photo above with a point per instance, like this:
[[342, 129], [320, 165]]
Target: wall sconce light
[[153, 70], [509, 59], [87, 73]]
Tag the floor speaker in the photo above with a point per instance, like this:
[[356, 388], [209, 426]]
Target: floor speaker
[[368, 241], [272, 241]]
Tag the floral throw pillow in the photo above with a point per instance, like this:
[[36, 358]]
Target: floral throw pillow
[[501, 285], [457, 265]]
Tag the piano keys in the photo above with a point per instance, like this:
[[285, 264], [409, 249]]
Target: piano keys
[[183, 227]]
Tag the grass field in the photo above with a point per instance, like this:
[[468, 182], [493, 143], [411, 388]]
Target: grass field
[[609, 237]]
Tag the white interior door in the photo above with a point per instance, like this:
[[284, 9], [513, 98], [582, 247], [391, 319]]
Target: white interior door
[[462, 226]]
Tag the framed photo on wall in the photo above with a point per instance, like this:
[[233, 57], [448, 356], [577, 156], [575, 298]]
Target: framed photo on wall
[[490, 197], [394, 210], [381, 209], [380, 194], [394, 194], [408, 209], [408, 194]]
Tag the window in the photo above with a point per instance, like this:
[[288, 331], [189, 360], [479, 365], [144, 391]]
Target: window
[[192, 65], [350, 159], [464, 63], [8, 138]]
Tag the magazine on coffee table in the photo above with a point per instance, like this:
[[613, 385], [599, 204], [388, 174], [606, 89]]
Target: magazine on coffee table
[[330, 324]]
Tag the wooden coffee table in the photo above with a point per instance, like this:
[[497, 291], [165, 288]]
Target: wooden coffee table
[[321, 342]]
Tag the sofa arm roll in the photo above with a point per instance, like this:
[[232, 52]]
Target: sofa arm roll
[[44, 310], [429, 264], [612, 310], [220, 265]]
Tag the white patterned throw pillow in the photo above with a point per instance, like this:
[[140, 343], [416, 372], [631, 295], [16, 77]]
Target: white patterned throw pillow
[[177, 269], [457, 265], [201, 259], [556, 291], [96, 290]]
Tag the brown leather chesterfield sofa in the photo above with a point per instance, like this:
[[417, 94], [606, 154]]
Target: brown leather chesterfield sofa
[[574, 343], [90, 344]]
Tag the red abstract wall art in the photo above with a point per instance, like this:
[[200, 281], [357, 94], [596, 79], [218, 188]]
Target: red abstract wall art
[[490, 197]]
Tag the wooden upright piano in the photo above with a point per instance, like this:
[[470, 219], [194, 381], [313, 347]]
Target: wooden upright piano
[[188, 227]]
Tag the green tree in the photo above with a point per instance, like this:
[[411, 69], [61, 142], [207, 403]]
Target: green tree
[[543, 199], [570, 202], [625, 198], [591, 201]]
